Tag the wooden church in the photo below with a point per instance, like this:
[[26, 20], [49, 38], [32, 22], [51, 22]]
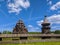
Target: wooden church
[[20, 28]]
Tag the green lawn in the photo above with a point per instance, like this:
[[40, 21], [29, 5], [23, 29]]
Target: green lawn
[[37, 43]]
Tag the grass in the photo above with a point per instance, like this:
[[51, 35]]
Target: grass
[[34, 32], [29, 38], [36, 43]]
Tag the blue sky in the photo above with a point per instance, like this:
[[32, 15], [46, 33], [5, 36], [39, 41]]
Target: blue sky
[[32, 13]]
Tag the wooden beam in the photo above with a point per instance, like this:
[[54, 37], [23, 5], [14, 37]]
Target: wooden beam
[[28, 35]]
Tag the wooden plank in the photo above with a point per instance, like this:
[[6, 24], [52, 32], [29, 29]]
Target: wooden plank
[[27, 35]]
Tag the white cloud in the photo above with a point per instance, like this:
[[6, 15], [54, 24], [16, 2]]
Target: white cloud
[[39, 22], [55, 6], [53, 28], [33, 29], [30, 26], [54, 19], [17, 5], [49, 2]]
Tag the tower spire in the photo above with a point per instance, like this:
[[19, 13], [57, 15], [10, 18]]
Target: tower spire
[[45, 19]]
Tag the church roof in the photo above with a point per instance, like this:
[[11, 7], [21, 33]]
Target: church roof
[[20, 21]]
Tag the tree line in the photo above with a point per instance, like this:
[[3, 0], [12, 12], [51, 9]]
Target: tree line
[[9, 32]]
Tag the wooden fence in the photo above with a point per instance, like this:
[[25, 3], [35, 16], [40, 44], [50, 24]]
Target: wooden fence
[[29, 35], [41, 36]]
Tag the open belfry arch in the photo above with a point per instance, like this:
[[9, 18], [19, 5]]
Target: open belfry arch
[[45, 26]]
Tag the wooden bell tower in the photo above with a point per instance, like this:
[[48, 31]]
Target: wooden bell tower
[[45, 26]]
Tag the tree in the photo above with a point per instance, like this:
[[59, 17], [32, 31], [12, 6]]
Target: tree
[[7, 32], [52, 32], [57, 32]]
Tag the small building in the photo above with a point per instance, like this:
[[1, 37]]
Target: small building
[[45, 26]]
